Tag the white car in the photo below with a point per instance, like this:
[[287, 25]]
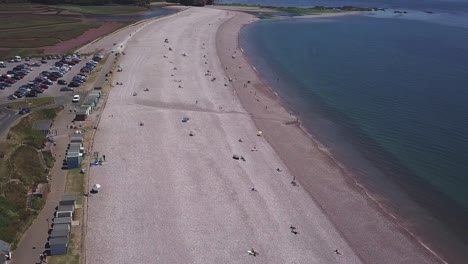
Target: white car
[[76, 98]]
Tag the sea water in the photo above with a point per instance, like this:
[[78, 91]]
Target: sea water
[[389, 99]]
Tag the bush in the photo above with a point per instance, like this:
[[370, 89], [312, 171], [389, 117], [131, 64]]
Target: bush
[[34, 138]]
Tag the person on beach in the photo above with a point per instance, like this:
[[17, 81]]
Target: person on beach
[[104, 157], [41, 258], [338, 252]]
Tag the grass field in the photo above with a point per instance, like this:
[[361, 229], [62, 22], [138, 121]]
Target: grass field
[[19, 7], [107, 10], [32, 103], [26, 28], [11, 21], [22, 166]]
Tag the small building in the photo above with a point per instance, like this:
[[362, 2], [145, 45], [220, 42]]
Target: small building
[[66, 208], [74, 160], [64, 214], [43, 126], [62, 220], [68, 199], [58, 246], [76, 139], [98, 92], [59, 227], [59, 233], [82, 113], [76, 146], [5, 252], [74, 149]]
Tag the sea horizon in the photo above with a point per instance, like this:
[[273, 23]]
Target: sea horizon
[[427, 197]]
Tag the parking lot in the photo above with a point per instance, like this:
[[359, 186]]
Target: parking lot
[[30, 80]]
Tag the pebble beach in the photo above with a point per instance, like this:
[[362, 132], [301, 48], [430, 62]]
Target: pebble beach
[[188, 178]]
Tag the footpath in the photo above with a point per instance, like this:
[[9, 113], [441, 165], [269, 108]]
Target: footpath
[[34, 240]]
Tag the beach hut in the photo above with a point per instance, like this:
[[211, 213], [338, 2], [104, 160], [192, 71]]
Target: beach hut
[[62, 220], [75, 149], [82, 113], [64, 214], [98, 92], [43, 126], [74, 160], [61, 227], [59, 233], [78, 146], [68, 199], [5, 252], [58, 246], [94, 97], [76, 139], [66, 208]]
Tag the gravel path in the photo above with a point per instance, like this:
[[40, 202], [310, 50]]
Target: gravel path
[[168, 197]]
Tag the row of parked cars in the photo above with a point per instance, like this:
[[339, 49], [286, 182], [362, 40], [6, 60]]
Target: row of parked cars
[[45, 78]]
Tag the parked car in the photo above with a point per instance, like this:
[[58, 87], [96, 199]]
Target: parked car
[[44, 86], [67, 89], [5, 84], [62, 82], [37, 90], [19, 94], [76, 98], [24, 111], [43, 61], [10, 81], [56, 74], [74, 84], [31, 94], [27, 59], [85, 70], [12, 97], [53, 78], [36, 64]]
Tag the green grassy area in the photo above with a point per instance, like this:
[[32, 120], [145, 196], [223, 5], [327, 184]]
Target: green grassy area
[[32, 103], [55, 32], [75, 182], [107, 10], [29, 41], [48, 158], [19, 7], [11, 21], [21, 167]]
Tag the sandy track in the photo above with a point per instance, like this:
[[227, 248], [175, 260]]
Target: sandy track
[[171, 198]]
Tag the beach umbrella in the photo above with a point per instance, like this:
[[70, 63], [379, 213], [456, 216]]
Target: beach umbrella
[[260, 133]]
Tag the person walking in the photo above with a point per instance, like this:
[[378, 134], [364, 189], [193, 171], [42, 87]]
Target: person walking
[[104, 157]]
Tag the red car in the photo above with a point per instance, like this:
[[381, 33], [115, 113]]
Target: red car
[[11, 81], [44, 86]]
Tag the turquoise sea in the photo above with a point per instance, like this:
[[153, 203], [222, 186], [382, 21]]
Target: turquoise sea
[[388, 96]]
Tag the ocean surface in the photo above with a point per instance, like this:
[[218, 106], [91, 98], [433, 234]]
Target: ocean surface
[[387, 95]]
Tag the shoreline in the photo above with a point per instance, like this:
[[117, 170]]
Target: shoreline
[[260, 115]]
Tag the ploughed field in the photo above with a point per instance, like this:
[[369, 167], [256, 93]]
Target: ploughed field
[[28, 30]]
